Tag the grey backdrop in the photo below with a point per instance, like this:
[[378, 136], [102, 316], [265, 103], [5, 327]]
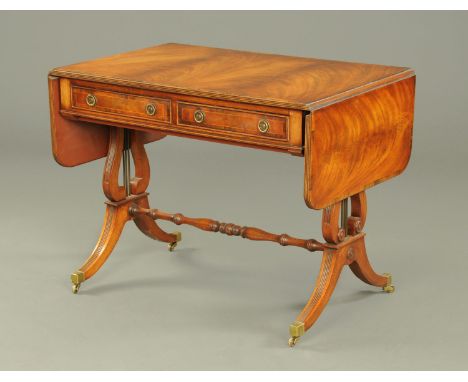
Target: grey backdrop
[[220, 302]]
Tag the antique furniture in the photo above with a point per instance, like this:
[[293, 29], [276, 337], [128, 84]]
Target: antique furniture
[[351, 122]]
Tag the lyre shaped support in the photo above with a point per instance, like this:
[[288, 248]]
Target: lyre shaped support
[[139, 183], [110, 178], [120, 199], [344, 238]]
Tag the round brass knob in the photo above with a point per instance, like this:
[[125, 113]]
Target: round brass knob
[[199, 116], [150, 109], [263, 126], [91, 100]]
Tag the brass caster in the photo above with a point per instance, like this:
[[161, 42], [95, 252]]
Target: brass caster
[[171, 246], [77, 278], [293, 341], [296, 329], [389, 288], [75, 288]]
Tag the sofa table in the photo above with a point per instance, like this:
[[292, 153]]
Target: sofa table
[[351, 122]]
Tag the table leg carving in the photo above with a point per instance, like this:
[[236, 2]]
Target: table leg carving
[[139, 183], [114, 221], [330, 270], [110, 177], [343, 250]]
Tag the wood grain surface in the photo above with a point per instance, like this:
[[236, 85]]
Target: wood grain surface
[[233, 120], [352, 145], [352, 122], [258, 78]]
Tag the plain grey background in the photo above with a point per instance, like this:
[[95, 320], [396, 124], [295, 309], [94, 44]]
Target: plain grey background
[[221, 302]]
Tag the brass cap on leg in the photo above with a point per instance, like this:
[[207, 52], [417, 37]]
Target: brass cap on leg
[[296, 329], [77, 278], [178, 235], [389, 288], [171, 246]]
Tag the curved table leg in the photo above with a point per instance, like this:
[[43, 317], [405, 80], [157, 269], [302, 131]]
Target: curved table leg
[[114, 221], [151, 229], [345, 247], [330, 270], [362, 268]]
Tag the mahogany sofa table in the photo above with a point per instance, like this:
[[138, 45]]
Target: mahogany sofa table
[[351, 122]]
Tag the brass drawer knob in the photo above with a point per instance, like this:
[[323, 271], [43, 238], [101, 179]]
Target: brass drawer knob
[[199, 116], [263, 126], [91, 100], [150, 109]]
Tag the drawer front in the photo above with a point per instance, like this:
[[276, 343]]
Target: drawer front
[[127, 105], [265, 127], [242, 122]]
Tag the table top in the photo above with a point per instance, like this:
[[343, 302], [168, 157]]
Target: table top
[[257, 78]]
